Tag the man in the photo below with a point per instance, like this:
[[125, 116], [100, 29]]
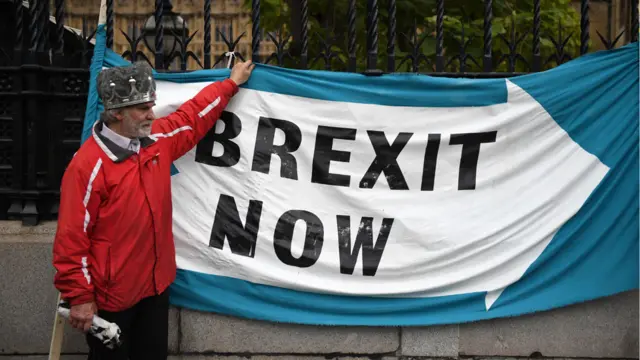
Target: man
[[113, 250]]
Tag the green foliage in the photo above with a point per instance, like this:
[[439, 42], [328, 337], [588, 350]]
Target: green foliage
[[416, 32]]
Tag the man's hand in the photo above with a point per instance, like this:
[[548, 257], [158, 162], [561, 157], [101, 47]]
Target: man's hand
[[241, 71], [81, 316]]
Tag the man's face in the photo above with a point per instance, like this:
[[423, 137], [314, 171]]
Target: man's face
[[137, 120]]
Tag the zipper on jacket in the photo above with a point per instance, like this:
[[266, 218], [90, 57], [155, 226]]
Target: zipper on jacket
[[155, 257], [153, 222], [108, 280]]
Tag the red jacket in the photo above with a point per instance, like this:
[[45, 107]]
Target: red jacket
[[114, 241]]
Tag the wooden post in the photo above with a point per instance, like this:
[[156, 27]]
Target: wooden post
[[57, 336]]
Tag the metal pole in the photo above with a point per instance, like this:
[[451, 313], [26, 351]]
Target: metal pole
[[352, 35], [537, 60], [110, 24], [255, 31], [488, 17], [391, 39], [584, 27], [304, 56], [159, 50], [372, 38], [439, 36], [207, 34]]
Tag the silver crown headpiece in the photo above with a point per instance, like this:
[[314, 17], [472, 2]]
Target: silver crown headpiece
[[126, 85]]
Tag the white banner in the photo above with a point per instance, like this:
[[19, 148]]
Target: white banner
[[364, 199], [341, 199]]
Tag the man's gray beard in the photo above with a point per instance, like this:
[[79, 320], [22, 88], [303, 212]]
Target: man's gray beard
[[144, 133]]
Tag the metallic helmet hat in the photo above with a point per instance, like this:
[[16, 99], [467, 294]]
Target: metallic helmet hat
[[126, 85]]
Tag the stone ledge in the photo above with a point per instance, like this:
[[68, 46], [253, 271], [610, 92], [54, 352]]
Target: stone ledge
[[211, 357], [438, 341], [28, 300], [603, 328], [271, 357], [293, 357], [206, 332], [8, 227], [174, 330], [42, 357]]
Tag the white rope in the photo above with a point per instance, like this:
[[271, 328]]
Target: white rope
[[230, 55]]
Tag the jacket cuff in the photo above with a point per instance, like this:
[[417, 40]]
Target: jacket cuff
[[81, 299], [230, 86]]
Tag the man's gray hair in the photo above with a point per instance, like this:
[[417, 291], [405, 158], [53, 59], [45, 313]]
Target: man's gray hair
[[108, 117]]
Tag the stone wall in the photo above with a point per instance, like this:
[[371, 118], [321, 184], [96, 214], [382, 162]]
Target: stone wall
[[605, 328]]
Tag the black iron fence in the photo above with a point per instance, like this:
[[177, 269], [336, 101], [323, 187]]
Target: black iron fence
[[44, 64]]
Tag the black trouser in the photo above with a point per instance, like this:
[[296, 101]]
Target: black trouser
[[144, 330]]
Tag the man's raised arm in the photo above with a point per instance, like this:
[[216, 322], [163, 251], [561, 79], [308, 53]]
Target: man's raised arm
[[192, 120]]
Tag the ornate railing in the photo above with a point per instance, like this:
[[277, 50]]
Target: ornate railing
[[44, 65]]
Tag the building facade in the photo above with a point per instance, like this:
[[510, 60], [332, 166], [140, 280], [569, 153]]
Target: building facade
[[608, 18]]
